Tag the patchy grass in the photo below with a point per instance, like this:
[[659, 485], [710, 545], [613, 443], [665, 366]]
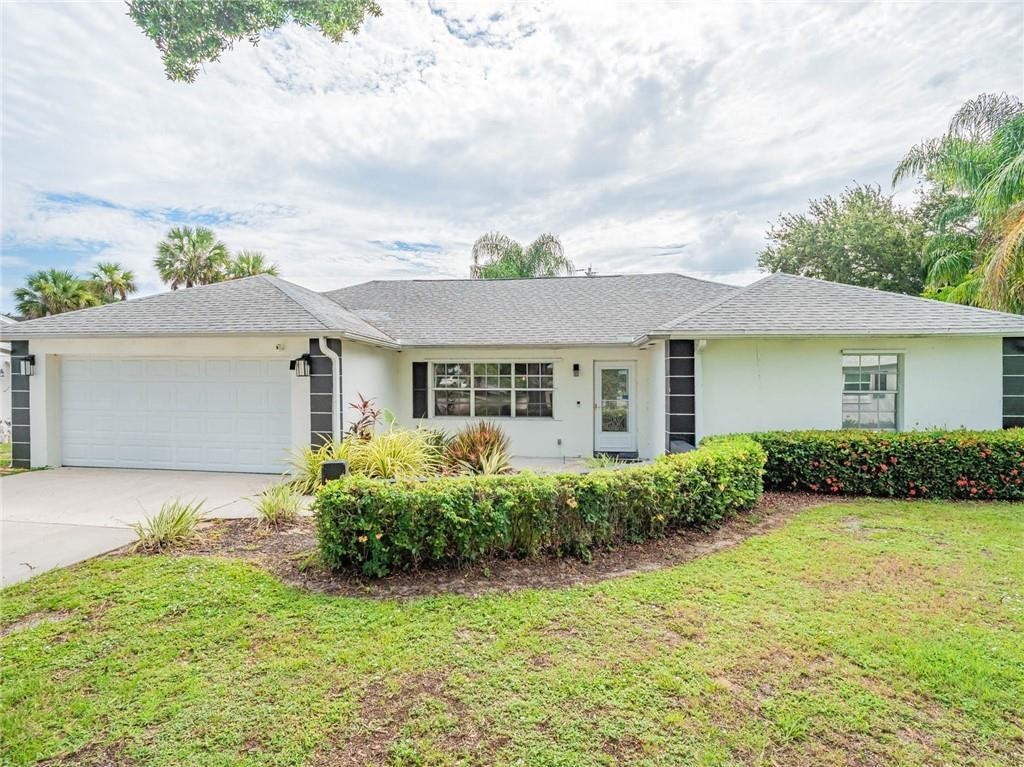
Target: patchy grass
[[867, 633]]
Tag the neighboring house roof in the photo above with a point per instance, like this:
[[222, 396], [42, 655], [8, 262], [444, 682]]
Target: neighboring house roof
[[557, 311], [783, 304], [526, 312], [261, 305]]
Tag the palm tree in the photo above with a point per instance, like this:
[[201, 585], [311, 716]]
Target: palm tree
[[187, 257], [112, 282], [496, 256], [976, 252], [53, 291], [249, 263]]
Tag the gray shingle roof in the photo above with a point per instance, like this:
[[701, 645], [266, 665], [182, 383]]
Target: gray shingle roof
[[783, 304], [541, 312], [260, 305], [551, 311]]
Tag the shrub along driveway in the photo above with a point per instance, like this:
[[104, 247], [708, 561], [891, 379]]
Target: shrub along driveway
[[61, 516], [865, 633]]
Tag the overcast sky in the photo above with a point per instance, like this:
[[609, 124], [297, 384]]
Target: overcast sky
[[649, 138]]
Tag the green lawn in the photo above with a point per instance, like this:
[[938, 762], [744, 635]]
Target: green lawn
[[5, 455], [868, 633]]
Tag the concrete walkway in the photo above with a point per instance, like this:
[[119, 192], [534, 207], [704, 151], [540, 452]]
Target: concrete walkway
[[57, 517]]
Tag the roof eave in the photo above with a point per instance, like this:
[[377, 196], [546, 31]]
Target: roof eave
[[903, 332]]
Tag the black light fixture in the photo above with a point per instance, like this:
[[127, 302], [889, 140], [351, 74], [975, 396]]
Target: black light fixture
[[301, 366], [27, 365], [575, 370]]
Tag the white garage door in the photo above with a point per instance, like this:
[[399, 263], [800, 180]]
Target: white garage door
[[217, 414]]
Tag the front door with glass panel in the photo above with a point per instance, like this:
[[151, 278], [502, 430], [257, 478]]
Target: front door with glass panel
[[614, 407]]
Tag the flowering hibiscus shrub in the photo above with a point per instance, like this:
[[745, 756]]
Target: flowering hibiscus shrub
[[381, 526], [980, 465]]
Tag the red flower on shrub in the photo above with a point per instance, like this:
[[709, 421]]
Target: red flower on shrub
[[912, 492], [893, 460]]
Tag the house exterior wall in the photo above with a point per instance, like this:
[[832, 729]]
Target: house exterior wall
[[570, 432], [45, 396], [754, 384], [372, 372]]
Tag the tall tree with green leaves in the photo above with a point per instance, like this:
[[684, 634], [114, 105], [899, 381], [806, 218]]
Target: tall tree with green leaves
[[975, 246], [249, 263], [496, 256], [860, 238], [188, 257], [53, 291], [190, 33], [112, 282]]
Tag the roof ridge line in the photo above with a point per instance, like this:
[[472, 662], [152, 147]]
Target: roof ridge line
[[712, 304], [275, 282], [279, 283]]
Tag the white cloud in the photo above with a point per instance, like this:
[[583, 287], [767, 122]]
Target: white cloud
[[648, 136]]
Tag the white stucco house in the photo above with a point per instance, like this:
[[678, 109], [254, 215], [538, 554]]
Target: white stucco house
[[230, 376]]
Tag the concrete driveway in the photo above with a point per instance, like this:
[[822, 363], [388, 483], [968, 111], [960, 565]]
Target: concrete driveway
[[57, 517]]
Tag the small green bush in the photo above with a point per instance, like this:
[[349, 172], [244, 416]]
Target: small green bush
[[980, 465], [278, 505], [173, 525], [381, 527]]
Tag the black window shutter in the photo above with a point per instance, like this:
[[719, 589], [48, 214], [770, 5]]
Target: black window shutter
[[419, 390]]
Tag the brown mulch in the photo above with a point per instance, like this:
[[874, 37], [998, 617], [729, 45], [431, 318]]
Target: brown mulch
[[290, 554]]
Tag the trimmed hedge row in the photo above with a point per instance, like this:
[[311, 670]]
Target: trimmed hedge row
[[978, 465], [381, 526]]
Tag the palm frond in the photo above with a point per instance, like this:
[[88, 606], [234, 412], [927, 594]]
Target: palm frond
[[1004, 268], [490, 248], [983, 115]]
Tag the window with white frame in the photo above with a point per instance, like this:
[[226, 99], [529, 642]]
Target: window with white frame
[[494, 389], [871, 391]]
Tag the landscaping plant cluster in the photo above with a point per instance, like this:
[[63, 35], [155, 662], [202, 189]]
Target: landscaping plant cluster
[[986, 465], [381, 527]]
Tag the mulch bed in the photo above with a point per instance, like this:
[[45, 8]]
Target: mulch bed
[[290, 554]]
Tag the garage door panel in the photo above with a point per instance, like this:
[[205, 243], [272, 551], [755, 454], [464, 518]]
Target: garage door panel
[[212, 414]]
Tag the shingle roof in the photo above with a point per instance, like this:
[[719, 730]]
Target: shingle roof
[[528, 312], [783, 304], [259, 305], [539, 312]]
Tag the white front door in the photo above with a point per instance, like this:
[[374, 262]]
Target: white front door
[[614, 407], [207, 414]]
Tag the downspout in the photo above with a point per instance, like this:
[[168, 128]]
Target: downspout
[[335, 388]]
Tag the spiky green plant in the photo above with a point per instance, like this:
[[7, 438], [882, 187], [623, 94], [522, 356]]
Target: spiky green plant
[[173, 525], [393, 454], [278, 505], [305, 464], [478, 446]]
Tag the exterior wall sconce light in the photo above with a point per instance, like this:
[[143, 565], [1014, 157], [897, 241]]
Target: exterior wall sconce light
[[27, 365], [575, 370], [300, 365]]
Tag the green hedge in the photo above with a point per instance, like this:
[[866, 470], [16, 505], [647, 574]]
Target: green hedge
[[381, 526], [941, 464]]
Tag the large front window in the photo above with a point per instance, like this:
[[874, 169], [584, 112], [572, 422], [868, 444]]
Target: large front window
[[870, 391], [494, 389]]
